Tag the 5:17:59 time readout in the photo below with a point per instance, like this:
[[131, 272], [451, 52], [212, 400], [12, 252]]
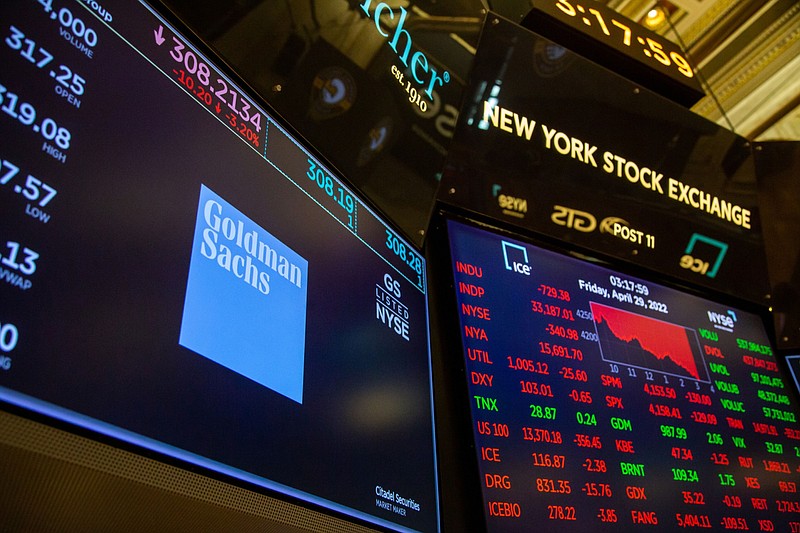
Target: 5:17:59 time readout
[[652, 48]]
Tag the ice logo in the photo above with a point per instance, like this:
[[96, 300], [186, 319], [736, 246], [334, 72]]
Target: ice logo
[[516, 258]]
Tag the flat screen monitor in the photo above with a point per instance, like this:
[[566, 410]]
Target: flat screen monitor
[[180, 274], [602, 401], [793, 361]]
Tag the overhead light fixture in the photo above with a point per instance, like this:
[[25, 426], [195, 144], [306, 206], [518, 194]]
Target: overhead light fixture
[[655, 18]]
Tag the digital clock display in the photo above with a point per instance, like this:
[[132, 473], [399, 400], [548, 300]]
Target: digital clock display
[[626, 33], [605, 26]]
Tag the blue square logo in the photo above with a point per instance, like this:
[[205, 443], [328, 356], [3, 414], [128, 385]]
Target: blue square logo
[[245, 302]]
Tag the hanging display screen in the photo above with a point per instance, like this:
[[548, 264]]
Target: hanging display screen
[[602, 401], [179, 272], [794, 368], [551, 142]]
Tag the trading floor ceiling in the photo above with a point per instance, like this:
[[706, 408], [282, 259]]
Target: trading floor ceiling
[[748, 52]]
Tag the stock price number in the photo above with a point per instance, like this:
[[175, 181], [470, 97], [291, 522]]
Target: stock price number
[[595, 465], [560, 331], [553, 486], [549, 460], [685, 474], [673, 432], [544, 412], [588, 441], [528, 365], [552, 310], [198, 78], [693, 498], [405, 253], [72, 24], [40, 57], [327, 184], [597, 490], [9, 335], [542, 435], [25, 113], [693, 520], [561, 512], [9, 259], [24, 263], [553, 292], [34, 189]]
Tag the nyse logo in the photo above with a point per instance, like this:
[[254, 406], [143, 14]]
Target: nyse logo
[[515, 207], [723, 321], [516, 258]]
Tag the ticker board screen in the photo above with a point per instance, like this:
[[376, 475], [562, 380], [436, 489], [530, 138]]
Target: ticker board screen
[[793, 361], [600, 400], [179, 272]]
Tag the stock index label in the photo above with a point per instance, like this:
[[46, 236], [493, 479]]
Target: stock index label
[[601, 401]]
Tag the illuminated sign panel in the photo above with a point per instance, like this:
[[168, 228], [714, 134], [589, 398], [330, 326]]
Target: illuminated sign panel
[[180, 274], [604, 402], [583, 155]]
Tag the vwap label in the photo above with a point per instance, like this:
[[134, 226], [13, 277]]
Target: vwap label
[[246, 299]]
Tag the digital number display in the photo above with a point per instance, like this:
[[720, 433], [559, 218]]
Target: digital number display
[[604, 402], [599, 33], [794, 368], [652, 46], [177, 271]]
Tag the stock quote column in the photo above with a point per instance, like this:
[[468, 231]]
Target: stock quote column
[[601, 401]]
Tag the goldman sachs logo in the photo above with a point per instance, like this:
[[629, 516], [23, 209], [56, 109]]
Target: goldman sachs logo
[[421, 69]]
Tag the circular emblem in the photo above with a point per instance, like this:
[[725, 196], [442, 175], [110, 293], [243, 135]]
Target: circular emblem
[[333, 92], [377, 138], [550, 59], [607, 225]]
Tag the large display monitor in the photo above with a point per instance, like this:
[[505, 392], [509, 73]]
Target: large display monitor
[[602, 401], [181, 275], [793, 361]]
